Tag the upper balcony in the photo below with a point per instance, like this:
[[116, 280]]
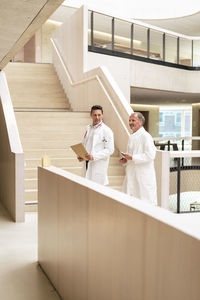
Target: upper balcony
[[114, 36]]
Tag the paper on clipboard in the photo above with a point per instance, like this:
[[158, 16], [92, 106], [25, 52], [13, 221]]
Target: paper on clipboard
[[80, 150]]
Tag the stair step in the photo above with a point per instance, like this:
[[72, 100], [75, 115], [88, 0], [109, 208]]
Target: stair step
[[57, 162], [31, 184], [22, 109], [30, 195], [31, 207], [47, 126], [39, 153]]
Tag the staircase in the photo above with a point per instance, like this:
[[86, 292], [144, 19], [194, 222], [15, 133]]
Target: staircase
[[47, 126]]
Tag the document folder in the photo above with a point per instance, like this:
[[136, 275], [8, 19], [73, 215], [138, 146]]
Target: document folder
[[80, 150]]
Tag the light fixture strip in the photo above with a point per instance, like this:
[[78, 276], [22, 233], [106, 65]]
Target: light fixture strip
[[92, 29], [148, 42], [132, 33], [164, 46], [113, 33], [178, 49]]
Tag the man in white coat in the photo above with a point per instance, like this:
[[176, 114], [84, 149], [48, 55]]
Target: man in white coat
[[99, 143], [140, 179]]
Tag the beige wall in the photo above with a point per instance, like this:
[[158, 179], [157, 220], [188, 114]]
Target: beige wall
[[153, 110], [29, 50], [47, 31], [38, 48], [96, 243]]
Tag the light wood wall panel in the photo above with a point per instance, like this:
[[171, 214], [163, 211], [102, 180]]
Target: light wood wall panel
[[103, 244]]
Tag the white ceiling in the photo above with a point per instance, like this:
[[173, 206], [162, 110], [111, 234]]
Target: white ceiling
[[189, 25], [160, 97]]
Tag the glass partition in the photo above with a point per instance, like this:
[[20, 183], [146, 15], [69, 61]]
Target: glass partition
[[196, 53], [171, 48], [102, 31], [156, 45], [185, 52], [122, 36], [140, 40]]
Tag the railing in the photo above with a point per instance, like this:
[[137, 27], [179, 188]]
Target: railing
[[175, 143], [184, 181], [178, 174], [118, 37], [11, 157], [85, 89], [97, 243]]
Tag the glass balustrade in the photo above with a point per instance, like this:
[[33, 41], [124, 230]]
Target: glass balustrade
[[109, 34], [156, 45], [122, 36], [185, 52], [140, 41], [196, 53], [171, 49]]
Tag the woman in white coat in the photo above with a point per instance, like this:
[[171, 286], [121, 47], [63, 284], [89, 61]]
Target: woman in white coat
[[99, 143], [140, 179]]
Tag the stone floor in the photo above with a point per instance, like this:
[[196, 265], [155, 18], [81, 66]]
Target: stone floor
[[20, 275]]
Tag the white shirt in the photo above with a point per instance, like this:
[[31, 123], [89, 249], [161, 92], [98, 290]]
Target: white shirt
[[98, 141]]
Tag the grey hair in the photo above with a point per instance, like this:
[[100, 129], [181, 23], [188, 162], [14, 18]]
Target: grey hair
[[140, 117]]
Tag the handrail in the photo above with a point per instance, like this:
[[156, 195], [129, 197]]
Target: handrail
[[196, 138], [102, 70], [11, 157], [13, 133]]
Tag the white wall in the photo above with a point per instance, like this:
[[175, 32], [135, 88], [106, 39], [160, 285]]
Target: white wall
[[128, 72], [118, 67]]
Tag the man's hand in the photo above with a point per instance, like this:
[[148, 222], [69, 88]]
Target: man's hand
[[127, 156], [79, 158], [89, 157], [123, 160]]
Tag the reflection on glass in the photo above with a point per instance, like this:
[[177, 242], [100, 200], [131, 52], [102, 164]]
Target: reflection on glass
[[89, 27], [196, 53], [122, 39], [102, 34], [140, 40], [185, 52], [171, 48], [156, 45]]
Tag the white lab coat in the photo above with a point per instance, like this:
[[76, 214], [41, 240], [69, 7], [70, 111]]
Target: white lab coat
[[101, 147], [140, 179]]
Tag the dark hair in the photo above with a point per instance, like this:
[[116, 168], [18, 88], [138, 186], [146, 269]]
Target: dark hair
[[95, 107]]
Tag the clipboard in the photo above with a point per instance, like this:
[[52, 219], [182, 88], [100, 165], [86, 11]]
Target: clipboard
[[80, 150]]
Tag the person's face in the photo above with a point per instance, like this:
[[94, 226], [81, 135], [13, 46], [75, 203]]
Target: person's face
[[96, 116], [134, 123]]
